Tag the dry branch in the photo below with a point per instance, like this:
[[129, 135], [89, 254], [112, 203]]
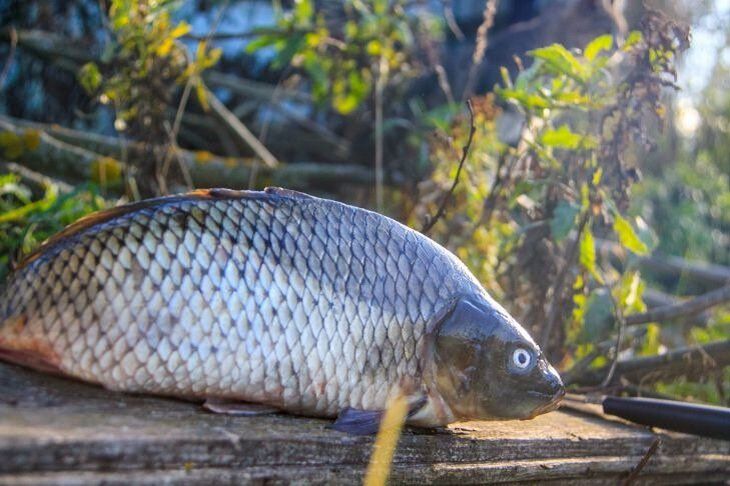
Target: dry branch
[[60, 153], [240, 130], [692, 362], [252, 89], [689, 307], [70, 55], [706, 273], [656, 298], [34, 177], [53, 156], [480, 48]]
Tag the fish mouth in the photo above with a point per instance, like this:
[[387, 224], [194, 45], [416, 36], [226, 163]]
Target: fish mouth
[[552, 404]]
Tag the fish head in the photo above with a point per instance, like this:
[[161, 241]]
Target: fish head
[[487, 367]]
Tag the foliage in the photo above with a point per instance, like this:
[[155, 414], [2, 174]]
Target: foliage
[[343, 60], [541, 202], [26, 219], [688, 202], [143, 68]]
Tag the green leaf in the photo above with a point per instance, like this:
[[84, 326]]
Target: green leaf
[[630, 293], [574, 98], [587, 255], [563, 219], [530, 101], [561, 60], [651, 341], [564, 138], [633, 38], [597, 45], [627, 236], [261, 42], [303, 11], [21, 212], [89, 77], [598, 318]]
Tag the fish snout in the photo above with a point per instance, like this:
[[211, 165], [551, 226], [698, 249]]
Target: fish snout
[[551, 392], [556, 386]]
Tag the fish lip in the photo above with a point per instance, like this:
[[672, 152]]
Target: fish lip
[[553, 404]]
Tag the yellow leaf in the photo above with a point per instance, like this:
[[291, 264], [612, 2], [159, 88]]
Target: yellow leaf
[[587, 255], [165, 47], [202, 94], [12, 145], [106, 170], [31, 138], [181, 29], [203, 156], [627, 236], [597, 176], [600, 43]]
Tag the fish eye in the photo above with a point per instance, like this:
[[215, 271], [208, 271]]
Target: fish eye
[[521, 358]]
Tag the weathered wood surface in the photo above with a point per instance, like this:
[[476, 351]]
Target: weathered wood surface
[[58, 431]]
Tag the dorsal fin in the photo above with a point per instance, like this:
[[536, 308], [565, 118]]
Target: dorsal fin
[[106, 215], [280, 191]]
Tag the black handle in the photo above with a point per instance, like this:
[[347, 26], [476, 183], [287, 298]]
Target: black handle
[[690, 418]]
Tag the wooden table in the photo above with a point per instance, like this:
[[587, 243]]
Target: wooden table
[[58, 431]]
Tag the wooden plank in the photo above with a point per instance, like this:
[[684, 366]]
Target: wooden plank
[[59, 431]]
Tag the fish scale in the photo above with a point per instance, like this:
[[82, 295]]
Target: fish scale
[[301, 303]]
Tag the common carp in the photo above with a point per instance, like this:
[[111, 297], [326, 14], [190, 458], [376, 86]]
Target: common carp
[[272, 300]]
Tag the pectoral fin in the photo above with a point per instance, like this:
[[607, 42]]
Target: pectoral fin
[[358, 422], [367, 422], [232, 407]]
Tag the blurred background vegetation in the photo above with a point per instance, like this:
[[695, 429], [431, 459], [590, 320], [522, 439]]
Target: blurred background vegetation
[[587, 182]]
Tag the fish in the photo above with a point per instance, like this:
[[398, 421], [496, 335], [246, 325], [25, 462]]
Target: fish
[[262, 301]]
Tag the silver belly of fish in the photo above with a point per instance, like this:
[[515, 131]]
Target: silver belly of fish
[[273, 297]]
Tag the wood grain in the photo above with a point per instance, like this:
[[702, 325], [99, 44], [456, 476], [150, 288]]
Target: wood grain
[[54, 430]]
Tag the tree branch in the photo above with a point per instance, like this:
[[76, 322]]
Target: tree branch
[[225, 116], [706, 273], [693, 361], [689, 307], [60, 153], [54, 156], [480, 48]]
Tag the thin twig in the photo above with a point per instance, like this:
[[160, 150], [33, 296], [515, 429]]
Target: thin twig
[[490, 10], [619, 338], [380, 82], [560, 282], [36, 177], [451, 22], [172, 148], [245, 34], [11, 55], [491, 200], [692, 306], [464, 154], [240, 130], [640, 466], [172, 132]]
